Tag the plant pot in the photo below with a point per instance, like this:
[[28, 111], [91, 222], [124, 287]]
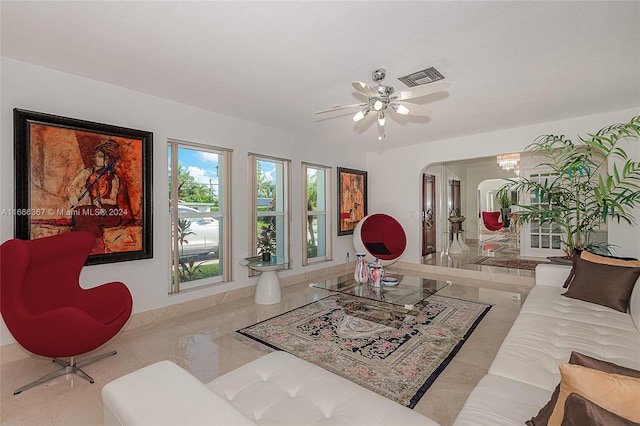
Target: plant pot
[[266, 257], [505, 216]]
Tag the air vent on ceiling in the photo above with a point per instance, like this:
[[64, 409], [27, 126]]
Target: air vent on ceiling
[[422, 77]]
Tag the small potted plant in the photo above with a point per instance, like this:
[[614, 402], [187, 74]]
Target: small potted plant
[[267, 243], [503, 197]]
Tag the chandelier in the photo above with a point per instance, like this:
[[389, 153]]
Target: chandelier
[[509, 161]]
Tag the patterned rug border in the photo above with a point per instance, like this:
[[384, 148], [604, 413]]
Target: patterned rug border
[[265, 347], [259, 346], [527, 264], [506, 249], [432, 378]]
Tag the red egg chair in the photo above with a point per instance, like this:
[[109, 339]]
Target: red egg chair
[[380, 236], [490, 221], [47, 311]]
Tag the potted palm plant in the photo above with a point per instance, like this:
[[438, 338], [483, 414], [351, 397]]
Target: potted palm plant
[[580, 193], [503, 197]]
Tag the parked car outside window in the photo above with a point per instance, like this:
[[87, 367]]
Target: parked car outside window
[[201, 234]]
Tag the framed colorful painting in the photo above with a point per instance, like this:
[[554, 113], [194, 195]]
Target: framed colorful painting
[[73, 175], [352, 199]]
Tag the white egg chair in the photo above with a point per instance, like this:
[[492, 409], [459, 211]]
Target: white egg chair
[[380, 236]]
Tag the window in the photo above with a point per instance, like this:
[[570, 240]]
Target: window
[[198, 176], [316, 230], [270, 204]]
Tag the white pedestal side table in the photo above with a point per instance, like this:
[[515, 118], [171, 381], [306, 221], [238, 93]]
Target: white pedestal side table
[[268, 287], [455, 247], [457, 242], [461, 242]]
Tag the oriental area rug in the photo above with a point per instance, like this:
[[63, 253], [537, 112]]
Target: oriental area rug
[[506, 262], [395, 352], [506, 249]]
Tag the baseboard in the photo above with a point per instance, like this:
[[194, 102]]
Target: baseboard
[[468, 274]]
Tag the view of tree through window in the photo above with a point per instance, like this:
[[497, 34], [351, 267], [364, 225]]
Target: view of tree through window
[[316, 224], [271, 207], [543, 235], [196, 215]]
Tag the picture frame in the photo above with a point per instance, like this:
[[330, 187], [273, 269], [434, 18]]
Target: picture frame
[[77, 175], [352, 199]]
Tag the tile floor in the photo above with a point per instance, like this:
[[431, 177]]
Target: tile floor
[[201, 343], [492, 245]]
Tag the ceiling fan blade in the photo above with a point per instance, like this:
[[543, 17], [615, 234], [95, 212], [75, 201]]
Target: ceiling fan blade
[[422, 90], [408, 108], [339, 107], [365, 89]]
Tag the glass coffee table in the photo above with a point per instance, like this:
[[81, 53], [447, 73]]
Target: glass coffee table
[[409, 290]]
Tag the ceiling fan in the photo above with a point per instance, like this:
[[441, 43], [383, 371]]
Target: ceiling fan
[[382, 100]]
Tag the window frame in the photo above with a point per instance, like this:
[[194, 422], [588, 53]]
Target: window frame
[[326, 212], [253, 159], [225, 161]]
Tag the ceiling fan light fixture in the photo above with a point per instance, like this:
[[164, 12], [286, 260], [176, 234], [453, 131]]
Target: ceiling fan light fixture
[[360, 115], [381, 132], [401, 109], [381, 98]]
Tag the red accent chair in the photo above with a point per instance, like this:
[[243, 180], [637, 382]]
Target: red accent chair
[[47, 311], [380, 236], [490, 220]]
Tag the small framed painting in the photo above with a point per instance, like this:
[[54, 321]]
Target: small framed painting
[[75, 175], [352, 199]]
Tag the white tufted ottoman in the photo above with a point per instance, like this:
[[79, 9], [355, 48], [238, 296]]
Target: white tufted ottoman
[[277, 389]]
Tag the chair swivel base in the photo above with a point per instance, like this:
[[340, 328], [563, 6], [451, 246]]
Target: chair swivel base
[[68, 367]]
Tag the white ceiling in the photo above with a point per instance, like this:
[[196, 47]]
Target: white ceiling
[[276, 63]]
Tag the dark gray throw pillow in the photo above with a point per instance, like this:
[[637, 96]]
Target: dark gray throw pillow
[[377, 248], [542, 418], [572, 273], [606, 285], [579, 411], [597, 258]]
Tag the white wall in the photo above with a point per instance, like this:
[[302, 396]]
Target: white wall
[[44, 90], [397, 190]]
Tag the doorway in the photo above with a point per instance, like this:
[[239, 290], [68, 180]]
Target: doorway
[[541, 240], [455, 202], [456, 194], [428, 214]]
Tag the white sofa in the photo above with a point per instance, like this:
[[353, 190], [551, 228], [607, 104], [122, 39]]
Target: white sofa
[[276, 389], [524, 373]]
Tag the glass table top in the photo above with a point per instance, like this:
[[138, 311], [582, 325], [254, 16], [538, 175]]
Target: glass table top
[[409, 290]]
